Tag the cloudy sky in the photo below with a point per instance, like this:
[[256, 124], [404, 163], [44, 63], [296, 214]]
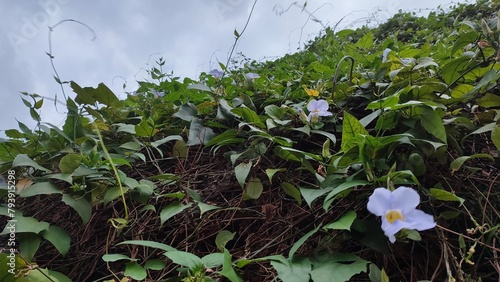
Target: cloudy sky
[[191, 35]]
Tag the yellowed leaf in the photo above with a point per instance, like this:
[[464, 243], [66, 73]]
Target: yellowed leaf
[[22, 184]]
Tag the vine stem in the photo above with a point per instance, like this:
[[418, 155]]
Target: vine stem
[[115, 171], [238, 37], [337, 70]]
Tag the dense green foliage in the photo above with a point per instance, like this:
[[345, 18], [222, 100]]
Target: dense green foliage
[[426, 116]]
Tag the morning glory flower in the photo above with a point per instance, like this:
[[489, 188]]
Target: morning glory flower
[[317, 108], [216, 73], [398, 210], [157, 93], [251, 75]]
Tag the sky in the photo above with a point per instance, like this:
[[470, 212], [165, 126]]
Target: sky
[[118, 40]]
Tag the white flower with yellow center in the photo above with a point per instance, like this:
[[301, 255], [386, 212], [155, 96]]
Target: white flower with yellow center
[[398, 210], [317, 108]]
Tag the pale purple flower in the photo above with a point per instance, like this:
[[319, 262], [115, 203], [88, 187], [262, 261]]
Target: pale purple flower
[[157, 93], [398, 210], [251, 75], [216, 73], [317, 108]]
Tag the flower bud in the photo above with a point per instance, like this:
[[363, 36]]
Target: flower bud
[[485, 27], [302, 115]]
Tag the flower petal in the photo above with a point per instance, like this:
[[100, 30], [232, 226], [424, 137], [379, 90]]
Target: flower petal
[[312, 106], [325, 113], [405, 199], [379, 202], [420, 220], [322, 105], [390, 229]]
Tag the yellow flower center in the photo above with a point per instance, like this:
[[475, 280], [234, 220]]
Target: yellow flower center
[[394, 215]]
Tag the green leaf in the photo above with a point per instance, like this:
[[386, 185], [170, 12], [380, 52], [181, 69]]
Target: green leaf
[[147, 243], [81, 206], [326, 134], [449, 214], [310, 195], [171, 210], [73, 127], [350, 128], [146, 128], [301, 241], [443, 195], [199, 134], [162, 141], [205, 208], [464, 40], [454, 69], [495, 136], [115, 257], [58, 237], [222, 238], [227, 137], [249, 116], [135, 271], [105, 96], [333, 271], [213, 260], [270, 172], [83, 95], [241, 171], [343, 223], [40, 188], [128, 128], [341, 188], [186, 112], [490, 77], [489, 101], [254, 188], [201, 87], [458, 162], [292, 191], [375, 273], [186, 259], [59, 276], [461, 90], [29, 244], [25, 225], [132, 146], [296, 270], [69, 163], [155, 264], [228, 270], [384, 103], [432, 123], [383, 276], [366, 41], [24, 160]]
